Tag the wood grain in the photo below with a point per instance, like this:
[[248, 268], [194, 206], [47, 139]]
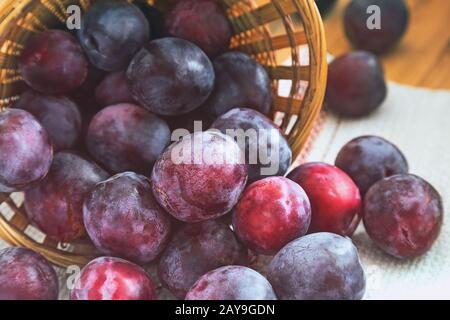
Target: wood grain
[[423, 56]]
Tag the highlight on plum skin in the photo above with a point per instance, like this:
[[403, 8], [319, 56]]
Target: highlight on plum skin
[[403, 215], [113, 89], [368, 159], [123, 219], [335, 199], [356, 84], [26, 151], [394, 18], [171, 77], [202, 22], [55, 204], [109, 278], [26, 275], [59, 115], [200, 177], [318, 266], [232, 283], [53, 62], [112, 32], [195, 250], [271, 213], [263, 135], [125, 137], [240, 82]]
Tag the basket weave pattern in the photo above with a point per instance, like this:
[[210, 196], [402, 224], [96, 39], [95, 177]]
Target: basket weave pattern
[[269, 32]]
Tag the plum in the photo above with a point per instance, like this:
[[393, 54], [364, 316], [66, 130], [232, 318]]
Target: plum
[[231, 283], [403, 215], [114, 89], [335, 199], [200, 177], [171, 76], [202, 22], [319, 266], [108, 278], [26, 152], [26, 275], [59, 115], [368, 159], [271, 213], [53, 62], [112, 32], [240, 82], [196, 249], [356, 84], [266, 150], [123, 219], [126, 137], [394, 18], [55, 204]]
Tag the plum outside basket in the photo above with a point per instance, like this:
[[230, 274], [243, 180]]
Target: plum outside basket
[[286, 36]]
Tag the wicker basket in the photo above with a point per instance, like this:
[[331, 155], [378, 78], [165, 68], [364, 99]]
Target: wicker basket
[[273, 32]]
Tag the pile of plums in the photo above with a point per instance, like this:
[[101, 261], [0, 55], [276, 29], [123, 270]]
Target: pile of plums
[[91, 144]]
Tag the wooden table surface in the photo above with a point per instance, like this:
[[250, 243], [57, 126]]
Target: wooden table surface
[[422, 58]]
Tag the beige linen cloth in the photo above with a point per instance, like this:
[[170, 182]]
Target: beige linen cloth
[[418, 122]]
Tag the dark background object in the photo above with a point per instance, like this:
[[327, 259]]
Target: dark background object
[[155, 19], [325, 6]]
